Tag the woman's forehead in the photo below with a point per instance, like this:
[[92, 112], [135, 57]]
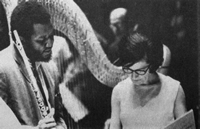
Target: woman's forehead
[[139, 65]]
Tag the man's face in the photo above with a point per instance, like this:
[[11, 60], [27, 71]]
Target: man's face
[[41, 43], [117, 26]]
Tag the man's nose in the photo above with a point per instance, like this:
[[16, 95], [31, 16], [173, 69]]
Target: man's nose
[[49, 43]]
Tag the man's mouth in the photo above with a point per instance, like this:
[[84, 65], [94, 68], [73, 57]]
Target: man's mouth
[[47, 50]]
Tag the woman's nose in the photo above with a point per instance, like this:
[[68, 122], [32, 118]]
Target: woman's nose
[[135, 75]]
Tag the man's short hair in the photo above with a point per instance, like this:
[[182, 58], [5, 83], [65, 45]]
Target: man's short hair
[[25, 15], [118, 14]]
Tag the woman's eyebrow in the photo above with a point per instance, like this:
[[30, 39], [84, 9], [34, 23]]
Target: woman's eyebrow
[[142, 68]]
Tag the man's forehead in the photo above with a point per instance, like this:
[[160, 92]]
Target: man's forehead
[[118, 14], [116, 21], [42, 28]]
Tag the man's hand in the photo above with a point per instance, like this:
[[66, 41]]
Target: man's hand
[[107, 124], [48, 122], [60, 127]]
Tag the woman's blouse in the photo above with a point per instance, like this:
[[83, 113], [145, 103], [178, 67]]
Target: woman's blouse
[[156, 108]]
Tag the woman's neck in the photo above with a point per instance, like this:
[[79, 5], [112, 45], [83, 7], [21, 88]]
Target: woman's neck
[[149, 91], [153, 79]]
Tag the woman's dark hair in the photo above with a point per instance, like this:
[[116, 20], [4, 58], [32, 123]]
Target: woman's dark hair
[[137, 46], [25, 15]]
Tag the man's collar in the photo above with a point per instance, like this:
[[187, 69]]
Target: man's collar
[[37, 64], [17, 57]]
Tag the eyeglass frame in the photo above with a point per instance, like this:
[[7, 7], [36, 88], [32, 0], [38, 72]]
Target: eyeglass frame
[[136, 71]]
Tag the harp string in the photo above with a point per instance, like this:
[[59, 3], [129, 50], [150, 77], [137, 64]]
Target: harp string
[[62, 70], [73, 81]]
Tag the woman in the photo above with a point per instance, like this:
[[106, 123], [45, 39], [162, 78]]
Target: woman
[[146, 99]]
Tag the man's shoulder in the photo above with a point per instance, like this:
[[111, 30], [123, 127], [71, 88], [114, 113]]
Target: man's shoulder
[[5, 51], [6, 57]]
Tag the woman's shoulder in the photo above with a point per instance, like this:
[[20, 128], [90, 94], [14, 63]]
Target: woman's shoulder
[[168, 80], [169, 85], [123, 85]]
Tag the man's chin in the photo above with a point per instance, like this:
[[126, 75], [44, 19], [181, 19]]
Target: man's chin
[[46, 59]]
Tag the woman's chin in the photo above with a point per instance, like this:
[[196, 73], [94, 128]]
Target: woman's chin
[[139, 83]]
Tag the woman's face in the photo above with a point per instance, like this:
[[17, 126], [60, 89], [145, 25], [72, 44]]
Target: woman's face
[[139, 72]]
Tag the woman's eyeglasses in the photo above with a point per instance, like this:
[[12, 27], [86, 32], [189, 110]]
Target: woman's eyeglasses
[[141, 71]]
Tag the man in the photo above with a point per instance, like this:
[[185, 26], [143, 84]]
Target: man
[[32, 103], [118, 21], [118, 25]]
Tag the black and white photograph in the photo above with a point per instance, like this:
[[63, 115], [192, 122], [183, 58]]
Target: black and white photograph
[[99, 64]]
